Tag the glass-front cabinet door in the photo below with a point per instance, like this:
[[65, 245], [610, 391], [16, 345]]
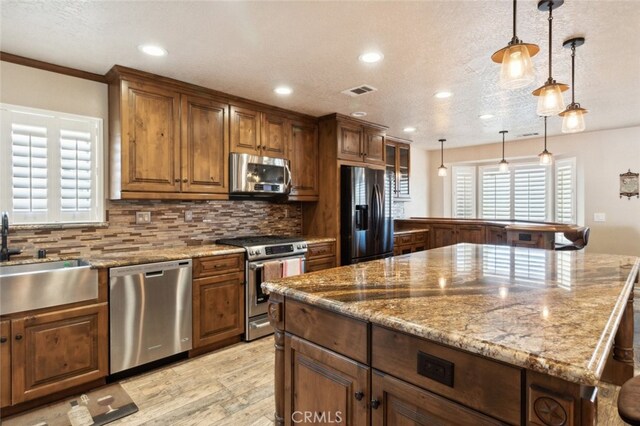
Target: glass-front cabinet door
[[397, 166], [391, 168], [403, 152]]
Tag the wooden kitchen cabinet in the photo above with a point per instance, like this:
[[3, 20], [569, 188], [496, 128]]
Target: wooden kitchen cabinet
[[350, 141], [320, 256], [218, 299], [442, 235], [398, 153], [495, 235], [205, 145], [360, 142], [470, 234], [324, 382], [257, 133], [405, 243], [303, 154], [57, 350], [373, 146], [5, 363]]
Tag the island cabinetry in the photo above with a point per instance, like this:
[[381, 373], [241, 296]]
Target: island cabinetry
[[449, 234], [303, 153], [258, 133], [218, 300], [495, 235], [320, 256], [409, 243], [56, 350]]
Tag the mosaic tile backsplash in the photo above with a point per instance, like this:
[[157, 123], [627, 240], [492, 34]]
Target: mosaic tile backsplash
[[168, 228]]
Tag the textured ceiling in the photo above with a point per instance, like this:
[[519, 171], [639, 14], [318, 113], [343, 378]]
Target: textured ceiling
[[247, 48]]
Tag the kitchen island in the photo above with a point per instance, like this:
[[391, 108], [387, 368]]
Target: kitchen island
[[465, 334]]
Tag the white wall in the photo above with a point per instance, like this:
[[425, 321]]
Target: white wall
[[600, 159], [419, 170]]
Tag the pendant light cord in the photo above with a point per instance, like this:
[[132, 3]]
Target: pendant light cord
[[514, 22], [550, 37], [545, 133], [441, 153], [503, 146], [573, 73]]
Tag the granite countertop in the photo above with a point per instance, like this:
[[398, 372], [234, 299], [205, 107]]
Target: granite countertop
[[409, 231], [554, 312], [318, 240], [509, 225]]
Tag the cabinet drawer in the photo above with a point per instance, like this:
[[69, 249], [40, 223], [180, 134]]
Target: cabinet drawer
[[320, 264], [321, 249], [469, 379], [419, 237], [405, 239], [214, 265], [344, 335]]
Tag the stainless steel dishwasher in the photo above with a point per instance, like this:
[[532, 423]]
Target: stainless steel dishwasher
[[150, 312]]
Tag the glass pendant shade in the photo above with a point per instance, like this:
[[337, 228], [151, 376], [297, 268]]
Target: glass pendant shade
[[503, 166], [545, 158], [550, 101], [442, 171], [517, 68], [573, 121]]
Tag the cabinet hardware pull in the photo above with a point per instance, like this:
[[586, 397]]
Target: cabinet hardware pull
[[176, 180], [375, 404], [3, 339], [359, 395], [18, 336], [184, 180]]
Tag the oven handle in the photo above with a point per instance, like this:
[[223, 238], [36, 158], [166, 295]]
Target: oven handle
[[256, 266], [255, 325]]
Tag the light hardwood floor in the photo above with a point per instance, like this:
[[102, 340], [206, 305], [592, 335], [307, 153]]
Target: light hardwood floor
[[234, 386]]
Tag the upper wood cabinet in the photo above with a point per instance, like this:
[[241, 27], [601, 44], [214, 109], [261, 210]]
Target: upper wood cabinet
[[166, 143], [303, 154], [258, 133], [398, 166], [360, 142]]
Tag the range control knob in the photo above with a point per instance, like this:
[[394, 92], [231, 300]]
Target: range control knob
[[258, 251], [299, 246], [251, 252]]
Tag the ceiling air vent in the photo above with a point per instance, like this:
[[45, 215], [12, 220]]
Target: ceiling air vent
[[524, 135], [359, 90]]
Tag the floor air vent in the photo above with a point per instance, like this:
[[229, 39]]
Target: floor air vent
[[359, 90]]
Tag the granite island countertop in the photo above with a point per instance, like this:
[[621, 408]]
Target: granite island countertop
[[555, 312]]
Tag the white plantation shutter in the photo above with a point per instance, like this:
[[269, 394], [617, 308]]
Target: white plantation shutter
[[530, 193], [464, 191], [54, 167], [496, 194], [565, 191]]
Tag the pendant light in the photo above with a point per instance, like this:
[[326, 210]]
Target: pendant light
[[545, 156], [442, 170], [573, 116], [550, 100], [503, 166], [517, 69]]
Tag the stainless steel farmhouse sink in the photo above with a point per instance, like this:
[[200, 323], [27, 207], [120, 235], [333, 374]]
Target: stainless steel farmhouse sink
[[46, 284]]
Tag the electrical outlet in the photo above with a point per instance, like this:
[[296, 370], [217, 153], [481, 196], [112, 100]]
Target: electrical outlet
[[188, 216], [599, 217], [143, 218]]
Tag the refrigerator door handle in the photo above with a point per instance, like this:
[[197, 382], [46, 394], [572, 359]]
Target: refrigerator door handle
[[377, 208]]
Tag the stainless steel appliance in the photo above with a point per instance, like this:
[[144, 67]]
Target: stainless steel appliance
[[260, 250], [256, 175], [150, 312], [366, 223]]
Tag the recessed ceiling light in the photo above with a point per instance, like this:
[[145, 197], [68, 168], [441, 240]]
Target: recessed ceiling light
[[152, 50], [485, 116], [409, 129], [442, 94], [358, 114], [283, 90], [371, 57]]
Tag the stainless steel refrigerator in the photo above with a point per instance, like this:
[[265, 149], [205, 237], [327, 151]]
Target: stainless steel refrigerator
[[366, 223]]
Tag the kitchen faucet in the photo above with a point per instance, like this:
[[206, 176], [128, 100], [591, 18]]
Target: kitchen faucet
[[5, 252]]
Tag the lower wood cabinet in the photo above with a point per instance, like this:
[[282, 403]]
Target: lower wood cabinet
[[447, 235], [322, 384], [409, 243], [53, 351], [495, 235], [5, 363], [218, 299], [320, 256], [395, 402]]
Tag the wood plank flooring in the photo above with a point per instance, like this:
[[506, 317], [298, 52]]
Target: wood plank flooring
[[234, 386]]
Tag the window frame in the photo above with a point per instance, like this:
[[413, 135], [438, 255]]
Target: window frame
[[54, 121]]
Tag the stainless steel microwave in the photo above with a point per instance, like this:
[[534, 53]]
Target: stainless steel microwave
[[258, 176]]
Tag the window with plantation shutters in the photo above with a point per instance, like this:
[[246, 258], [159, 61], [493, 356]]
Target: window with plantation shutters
[[495, 194], [54, 168], [464, 191], [530, 193], [565, 191]]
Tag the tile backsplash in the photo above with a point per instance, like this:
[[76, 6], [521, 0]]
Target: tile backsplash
[[210, 220]]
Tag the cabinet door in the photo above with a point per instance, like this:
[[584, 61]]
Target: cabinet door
[[471, 234], [303, 154], [403, 152], [150, 138], [495, 235], [218, 308], [350, 142], [55, 351], [205, 145], [321, 382], [245, 130], [5, 363], [442, 235], [395, 402], [374, 147], [274, 136], [390, 161]]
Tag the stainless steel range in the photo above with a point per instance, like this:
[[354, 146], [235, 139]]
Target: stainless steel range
[[266, 254]]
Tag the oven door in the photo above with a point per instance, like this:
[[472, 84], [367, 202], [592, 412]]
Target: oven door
[[257, 323]]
